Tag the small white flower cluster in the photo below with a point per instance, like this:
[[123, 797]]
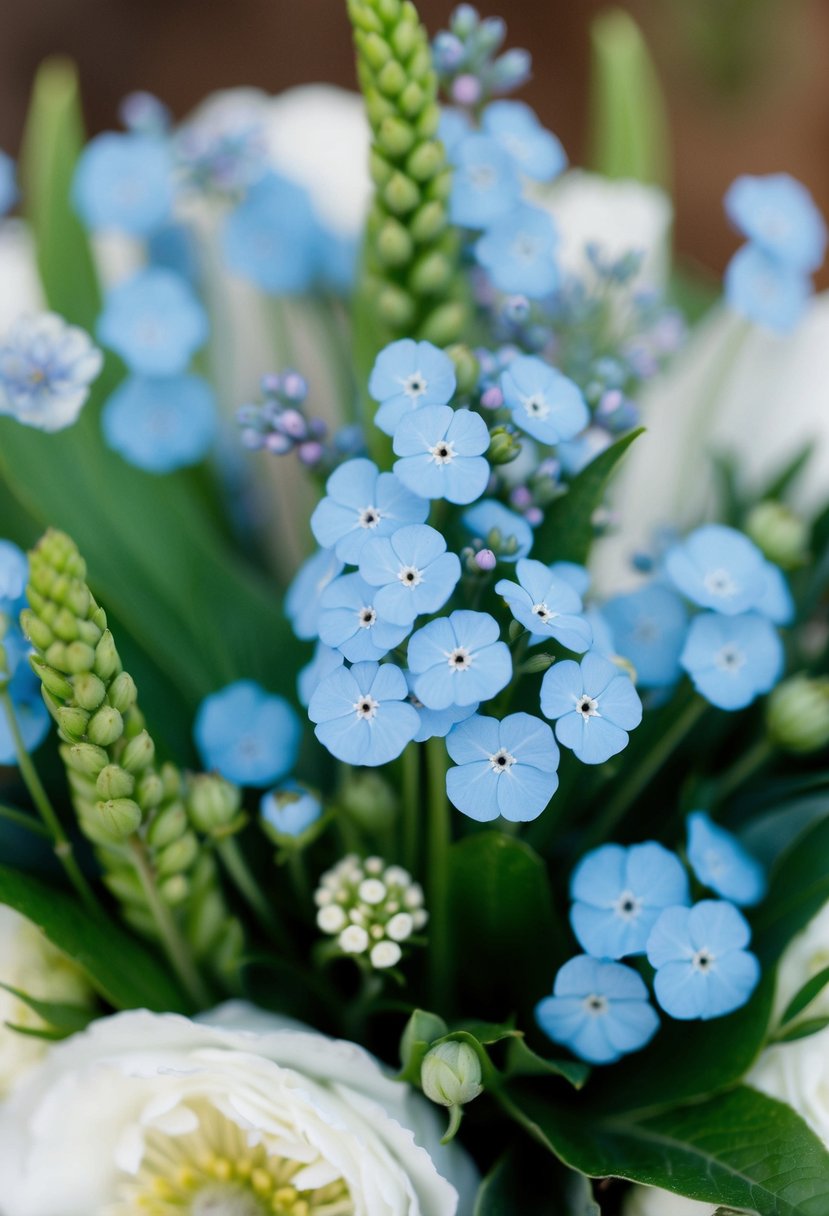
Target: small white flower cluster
[[371, 908]]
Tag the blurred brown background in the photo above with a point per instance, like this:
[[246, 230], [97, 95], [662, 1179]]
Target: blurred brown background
[[746, 80]]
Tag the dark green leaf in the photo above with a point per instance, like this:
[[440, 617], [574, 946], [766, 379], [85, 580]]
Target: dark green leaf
[[59, 1017], [51, 1036], [522, 1061], [421, 1031], [526, 1181], [799, 888], [790, 472], [490, 1032], [802, 1030], [805, 996]]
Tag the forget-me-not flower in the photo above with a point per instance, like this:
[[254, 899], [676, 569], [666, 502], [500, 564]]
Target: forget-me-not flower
[[406, 376], [648, 627], [362, 714], [248, 735], [507, 768], [535, 150], [324, 661], [454, 126], [546, 605], [154, 321], [436, 723], [23, 686], [720, 568], [766, 291], [362, 503], [441, 453], [518, 252], [161, 423], [412, 571], [271, 237], [14, 575], [302, 599], [776, 601], [124, 182], [732, 659], [505, 532], [594, 705], [46, 368], [290, 809], [350, 622], [703, 969], [599, 1009], [485, 183], [8, 183], [777, 213], [544, 403], [459, 659], [618, 894], [722, 864]]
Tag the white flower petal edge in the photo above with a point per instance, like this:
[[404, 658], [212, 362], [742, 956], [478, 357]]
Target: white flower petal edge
[[653, 1201], [96, 1121]]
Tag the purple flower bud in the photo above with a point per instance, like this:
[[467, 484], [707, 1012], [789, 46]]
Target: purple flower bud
[[512, 69], [517, 309], [248, 415], [521, 498], [610, 401], [448, 51], [492, 398], [310, 453], [318, 427], [534, 516], [294, 387], [278, 445], [467, 90], [251, 439], [292, 423], [143, 113], [271, 384], [486, 560]]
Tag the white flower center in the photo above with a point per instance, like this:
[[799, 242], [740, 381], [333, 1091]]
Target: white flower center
[[415, 385], [367, 616], [368, 517], [459, 659], [703, 960], [595, 1005], [628, 906], [536, 406], [730, 658], [410, 576], [443, 452], [502, 761], [720, 583], [587, 706], [366, 708], [543, 612], [526, 248]]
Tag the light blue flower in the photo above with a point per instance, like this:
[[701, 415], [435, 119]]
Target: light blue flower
[[324, 661], [576, 454], [546, 605], [618, 894], [31, 715], [544, 403], [124, 182], [766, 291], [290, 809], [515, 126], [485, 183], [600, 1010], [722, 864], [703, 969], [648, 628], [436, 723], [720, 568], [161, 424], [776, 601], [506, 768], [350, 622], [518, 252], [46, 368], [362, 714], [271, 237], [8, 183], [362, 503], [302, 599], [154, 321], [454, 126], [441, 452], [14, 575], [406, 376], [732, 659], [412, 570], [778, 213], [505, 532], [458, 660], [571, 572], [248, 735], [594, 704]]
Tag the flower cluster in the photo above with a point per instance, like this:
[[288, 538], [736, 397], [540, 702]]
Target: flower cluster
[[372, 909], [468, 62], [46, 369]]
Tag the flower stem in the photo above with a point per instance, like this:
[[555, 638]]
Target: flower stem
[[437, 874], [22, 820], [748, 764], [411, 806], [237, 867]]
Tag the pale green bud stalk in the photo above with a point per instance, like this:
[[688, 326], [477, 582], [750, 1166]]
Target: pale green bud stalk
[[451, 1076], [214, 805], [797, 714], [782, 535], [504, 445]]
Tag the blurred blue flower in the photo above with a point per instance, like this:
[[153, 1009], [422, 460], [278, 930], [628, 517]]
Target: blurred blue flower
[[413, 572], [436, 723], [337, 261], [503, 531], [535, 150], [594, 704], [324, 661], [546, 604], [518, 252], [459, 659], [406, 376], [454, 126], [732, 660], [777, 213], [618, 894], [648, 628], [722, 864], [544, 403], [350, 622], [703, 969], [271, 237], [290, 809], [174, 248], [302, 599], [776, 601], [30, 713], [154, 321], [506, 768], [46, 368], [248, 735], [362, 714], [718, 567], [485, 183], [160, 424], [124, 182], [766, 291], [600, 1010], [441, 452], [571, 572], [576, 454], [8, 183], [361, 503], [14, 575]]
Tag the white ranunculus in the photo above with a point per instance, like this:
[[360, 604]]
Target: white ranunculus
[[241, 1116], [798, 1073], [19, 286], [804, 957], [653, 1201]]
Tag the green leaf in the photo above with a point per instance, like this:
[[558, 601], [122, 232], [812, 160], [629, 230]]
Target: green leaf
[[789, 474], [805, 996], [798, 890], [124, 972], [566, 532], [60, 1018], [802, 1030], [526, 1181], [420, 1032], [522, 1061]]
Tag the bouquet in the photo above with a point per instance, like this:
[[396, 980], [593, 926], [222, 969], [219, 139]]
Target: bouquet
[[415, 791]]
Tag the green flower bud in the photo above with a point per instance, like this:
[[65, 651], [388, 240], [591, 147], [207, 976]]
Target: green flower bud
[[425, 161], [376, 51], [536, 664], [122, 693], [391, 79], [451, 1074], [36, 630], [85, 758], [782, 535], [400, 194], [174, 890], [90, 691], [107, 662], [79, 657], [395, 137], [445, 324], [369, 800], [118, 818], [394, 244], [797, 714], [394, 306], [113, 782], [65, 625], [105, 727], [428, 221], [167, 825], [149, 791], [214, 804], [504, 445], [138, 754], [178, 856], [51, 680], [72, 722], [432, 274], [467, 367], [411, 100]]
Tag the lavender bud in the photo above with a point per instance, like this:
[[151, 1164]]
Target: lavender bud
[[485, 560], [278, 445], [467, 90], [492, 398]]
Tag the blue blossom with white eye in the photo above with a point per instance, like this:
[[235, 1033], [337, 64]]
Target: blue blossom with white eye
[[618, 894], [406, 376], [412, 571], [732, 659], [271, 238], [546, 605], [362, 715], [766, 291], [776, 601], [599, 1009], [436, 723], [777, 213], [535, 150], [721, 863], [154, 321], [544, 403], [46, 369], [503, 531], [703, 969], [594, 705], [518, 252], [507, 768], [720, 568], [648, 628], [362, 503], [248, 735], [324, 661], [485, 183], [14, 575], [441, 453], [124, 182], [161, 424], [458, 660], [302, 599], [290, 809], [8, 183], [350, 622], [23, 686]]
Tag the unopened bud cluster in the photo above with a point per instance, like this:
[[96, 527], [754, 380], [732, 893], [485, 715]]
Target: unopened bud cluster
[[797, 714], [467, 60], [372, 909]]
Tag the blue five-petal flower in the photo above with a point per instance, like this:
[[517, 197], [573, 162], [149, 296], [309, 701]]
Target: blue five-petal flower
[[458, 660], [412, 571], [406, 376], [546, 604], [599, 1009], [721, 863], [544, 402], [594, 704], [506, 768], [362, 714], [361, 503], [350, 622], [441, 452]]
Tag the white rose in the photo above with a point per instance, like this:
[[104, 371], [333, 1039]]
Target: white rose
[[217, 1119], [653, 1201], [804, 957]]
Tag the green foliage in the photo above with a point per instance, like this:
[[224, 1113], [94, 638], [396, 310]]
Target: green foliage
[[799, 889], [524, 1181], [811, 989], [61, 1019]]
